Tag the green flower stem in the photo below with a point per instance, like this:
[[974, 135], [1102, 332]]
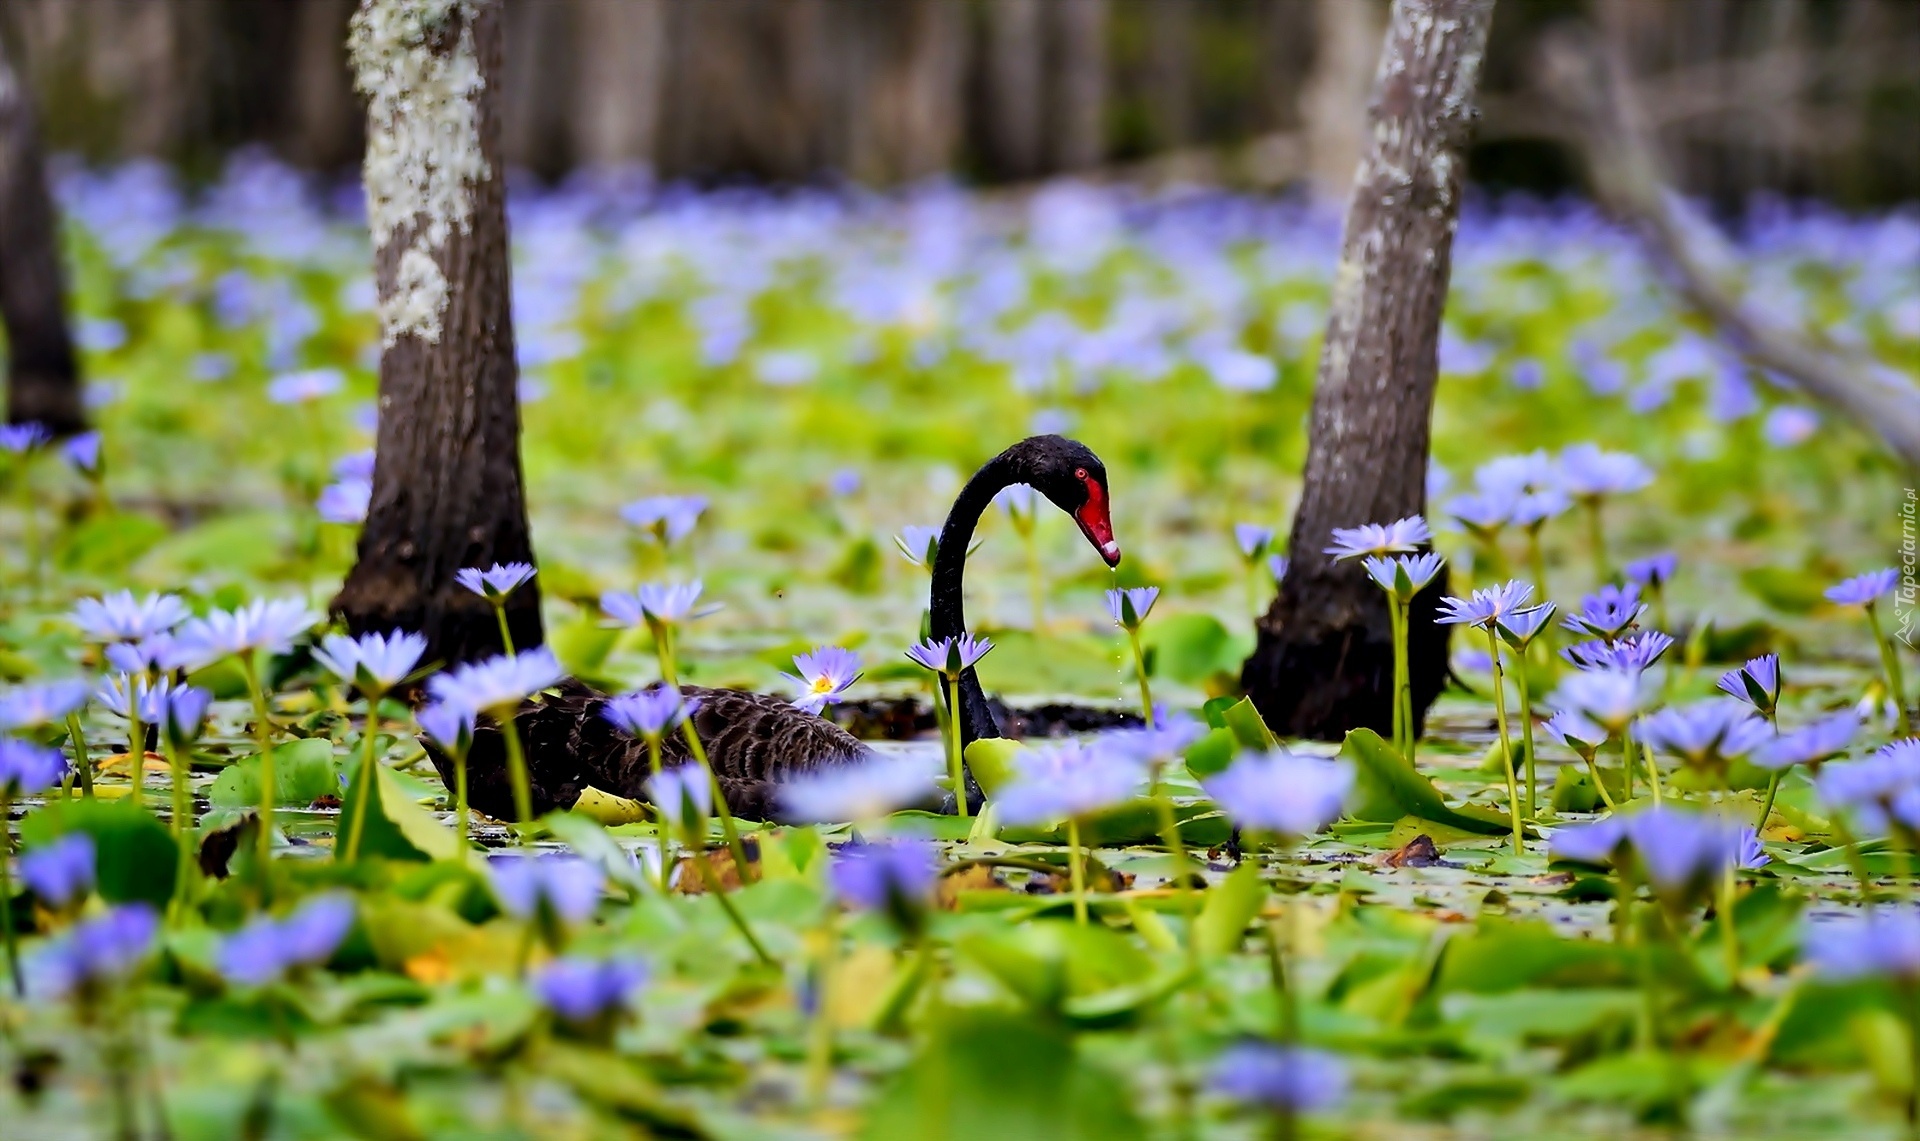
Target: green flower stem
[[30, 524], [1596, 541], [506, 635], [263, 739], [182, 820], [367, 762], [956, 762], [1176, 846], [1526, 732], [1911, 994], [726, 902], [1626, 760], [1646, 1027], [1077, 870], [1402, 701], [1506, 742], [727, 827], [1856, 861], [1773, 782], [666, 866], [6, 892], [820, 1032], [1255, 595], [82, 763], [1140, 671], [517, 773], [1890, 659], [1593, 770], [1653, 771], [460, 810], [1729, 933]]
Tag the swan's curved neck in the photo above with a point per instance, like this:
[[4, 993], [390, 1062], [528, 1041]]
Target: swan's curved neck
[[947, 613]]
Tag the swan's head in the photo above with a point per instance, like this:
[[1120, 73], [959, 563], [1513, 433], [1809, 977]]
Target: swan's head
[[1068, 473]]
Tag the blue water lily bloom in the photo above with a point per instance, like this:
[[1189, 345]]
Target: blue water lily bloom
[[1823, 740], [1071, 780], [374, 663], [498, 684], [823, 676], [27, 769], [1864, 589], [649, 713], [345, 501], [1252, 539], [1610, 698], [41, 704], [581, 991], [669, 518], [920, 545], [1607, 613], [83, 452], [1574, 730], [892, 876], [121, 617], [1486, 607], [1587, 472], [1883, 942], [1167, 738], [684, 793], [178, 711], [497, 582], [265, 626], [1277, 566], [1398, 537], [267, 949], [20, 439], [1279, 793], [1537, 507], [122, 694], [1482, 513], [1653, 572], [355, 465], [867, 790], [1291, 1079], [1680, 854], [61, 873], [1636, 651], [1403, 576], [1881, 789], [142, 657], [662, 602], [950, 656], [1519, 628], [448, 725], [566, 887], [305, 386], [1131, 606], [1757, 683], [94, 953], [1705, 734]]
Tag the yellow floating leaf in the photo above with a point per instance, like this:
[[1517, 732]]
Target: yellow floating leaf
[[609, 810]]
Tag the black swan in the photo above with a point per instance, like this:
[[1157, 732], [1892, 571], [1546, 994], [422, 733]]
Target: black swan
[[754, 740]]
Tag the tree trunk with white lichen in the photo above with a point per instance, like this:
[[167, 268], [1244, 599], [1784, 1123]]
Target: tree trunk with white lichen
[[43, 378], [1323, 663], [447, 489]]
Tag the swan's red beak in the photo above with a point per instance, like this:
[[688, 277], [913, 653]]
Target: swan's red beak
[[1096, 523]]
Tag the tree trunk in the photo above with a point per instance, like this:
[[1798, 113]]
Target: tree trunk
[[1170, 72], [1323, 661], [1080, 83], [1333, 103], [43, 380], [1013, 84], [621, 73], [446, 486]]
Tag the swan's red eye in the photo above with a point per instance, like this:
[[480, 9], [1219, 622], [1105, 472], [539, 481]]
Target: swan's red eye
[[1079, 473]]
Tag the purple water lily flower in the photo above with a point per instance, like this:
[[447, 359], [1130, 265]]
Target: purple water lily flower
[[305, 387], [83, 452], [1635, 652], [266, 949], [1482, 513], [61, 873], [355, 465], [656, 602], [499, 683], [1824, 739], [1486, 607], [263, 626], [1167, 738], [27, 769], [1291, 1079], [496, 583], [23, 438], [178, 711], [1757, 683], [1881, 943], [1864, 589], [1611, 698], [1071, 780], [1277, 566], [448, 725], [920, 545], [1653, 572], [683, 792], [346, 502], [1398, 537], [582, 991], [95, 953], [1705, 734], [1607, 613], [867, 790], [1403, 576], [649, 713], [823, 676], [1587, 472], [669, 518], [121, 617], [950, 656], [41, 704], [1131, 606], [1680, 854], [1882, 789], [1519, 628], [1252, 539], [1282, 794], [892, 876], [565, 887], [1576, 732], [373, 663]]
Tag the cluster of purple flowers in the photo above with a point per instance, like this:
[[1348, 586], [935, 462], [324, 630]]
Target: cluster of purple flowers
[[1679, 854], [267, 949]]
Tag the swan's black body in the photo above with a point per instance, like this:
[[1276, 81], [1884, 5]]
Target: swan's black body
[[755, 740]]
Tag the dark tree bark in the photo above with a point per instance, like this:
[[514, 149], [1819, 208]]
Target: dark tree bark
[[447, 485], [1079, 83], [1323, 662], [43, 379], [1014, 80]]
